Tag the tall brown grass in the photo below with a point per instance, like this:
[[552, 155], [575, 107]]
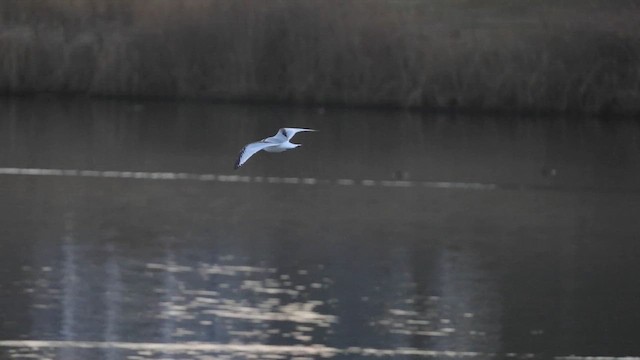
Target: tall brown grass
[[534, 56]]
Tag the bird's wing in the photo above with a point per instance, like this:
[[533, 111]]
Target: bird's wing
[[251, 149], [288, 133]]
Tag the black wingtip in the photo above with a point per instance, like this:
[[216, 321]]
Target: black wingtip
[[237, 165]]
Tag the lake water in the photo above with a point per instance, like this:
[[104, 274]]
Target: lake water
[[125, 233]]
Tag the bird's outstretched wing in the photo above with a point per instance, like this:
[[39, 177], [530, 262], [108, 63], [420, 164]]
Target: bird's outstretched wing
[[251, 149], [287, 133]]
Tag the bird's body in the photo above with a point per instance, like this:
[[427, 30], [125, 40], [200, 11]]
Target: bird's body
[[277, 143]]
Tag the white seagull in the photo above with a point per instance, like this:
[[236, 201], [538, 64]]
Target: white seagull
[[276, 143]]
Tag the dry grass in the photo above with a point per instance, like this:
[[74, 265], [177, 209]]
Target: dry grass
[[543, 56]]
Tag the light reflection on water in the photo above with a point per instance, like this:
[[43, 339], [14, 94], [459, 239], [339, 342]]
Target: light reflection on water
[[291, 314], [134, 267], [110, 283]]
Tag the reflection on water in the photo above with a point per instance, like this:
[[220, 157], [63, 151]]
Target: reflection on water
[[136, 267]]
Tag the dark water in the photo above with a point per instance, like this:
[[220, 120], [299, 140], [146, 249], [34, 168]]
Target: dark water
[[543, 263]]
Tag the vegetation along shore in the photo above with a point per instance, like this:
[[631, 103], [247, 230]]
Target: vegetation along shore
[[544, 56]]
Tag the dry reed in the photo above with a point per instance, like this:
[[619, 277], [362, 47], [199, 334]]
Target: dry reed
[[543, 56]]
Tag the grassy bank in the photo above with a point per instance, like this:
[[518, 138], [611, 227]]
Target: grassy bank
[[533, 56]]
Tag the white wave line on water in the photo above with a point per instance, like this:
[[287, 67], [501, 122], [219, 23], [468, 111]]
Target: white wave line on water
[[172, 347], [240, 179], [294, 350], [175, 347], [190, 347]]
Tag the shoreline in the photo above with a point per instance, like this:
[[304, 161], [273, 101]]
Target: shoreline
[[324, 107]]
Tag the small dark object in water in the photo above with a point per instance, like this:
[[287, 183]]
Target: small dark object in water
[[400, 175]]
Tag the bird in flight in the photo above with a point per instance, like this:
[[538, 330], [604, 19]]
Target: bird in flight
[[276, 143]]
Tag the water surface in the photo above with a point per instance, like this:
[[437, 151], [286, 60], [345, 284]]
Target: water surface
[[364, 242]]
